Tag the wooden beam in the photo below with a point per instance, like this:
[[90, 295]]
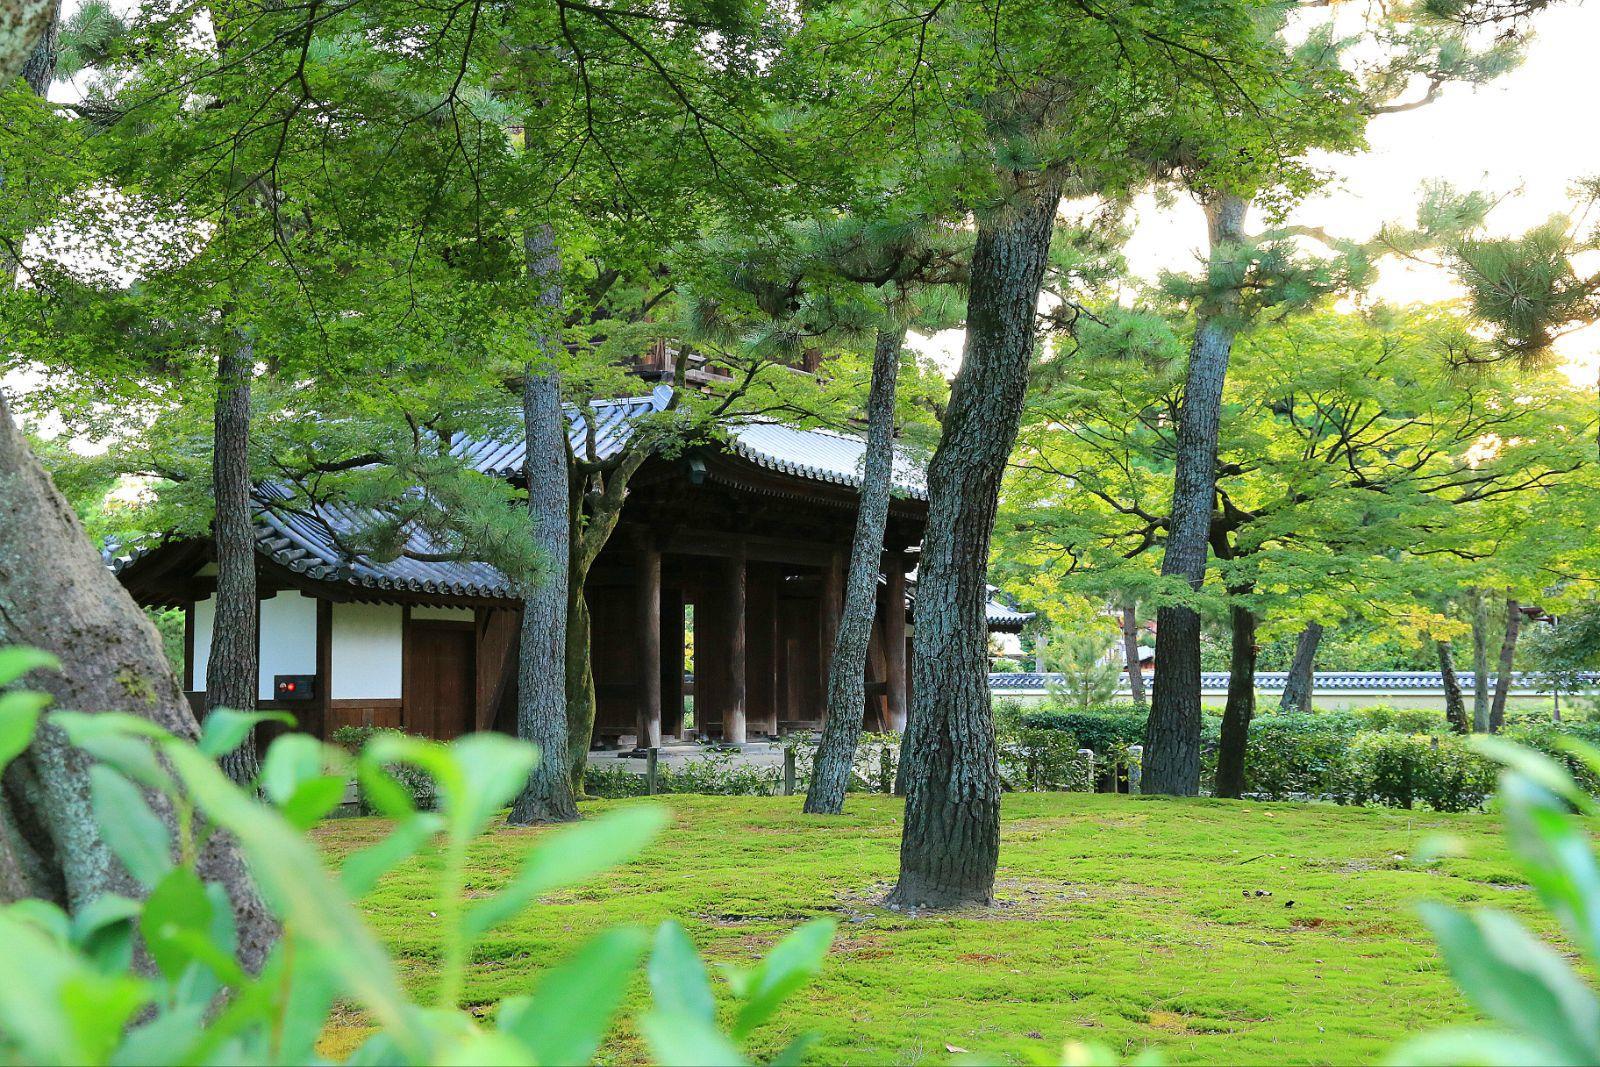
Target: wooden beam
[[647, 589], [759, 549], [894, 636], [324, 670], [733, 716]]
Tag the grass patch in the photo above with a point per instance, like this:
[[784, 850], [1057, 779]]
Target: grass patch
[[1222, 932]]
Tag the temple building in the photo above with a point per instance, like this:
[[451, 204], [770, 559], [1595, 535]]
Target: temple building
[[714, 604]]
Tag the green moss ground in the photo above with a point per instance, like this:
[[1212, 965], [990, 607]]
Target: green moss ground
[[1127, 921]]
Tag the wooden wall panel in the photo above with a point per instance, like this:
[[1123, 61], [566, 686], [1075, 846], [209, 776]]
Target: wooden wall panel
[[363, 713], [761, 649], [611, 612], [498, 643]]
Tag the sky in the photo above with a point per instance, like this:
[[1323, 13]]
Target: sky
[[1525, 136]]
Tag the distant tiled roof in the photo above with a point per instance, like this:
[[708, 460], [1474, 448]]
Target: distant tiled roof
[[308, 544], [1368, 681], [817, 455]]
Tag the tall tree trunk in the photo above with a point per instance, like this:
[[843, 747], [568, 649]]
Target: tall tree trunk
[[1480, 661], [1302, 671], [541, 665], [1455, 708], [233, 670], [1130, 653], [830, 773], [1172, 738], [1508, 651], [23, 24], [111, 659], [1241, 705], [950, 842]]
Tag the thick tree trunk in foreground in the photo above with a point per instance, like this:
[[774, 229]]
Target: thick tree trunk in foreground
[[1508, 652], [1480, 662], [1455, 708], [950, 843], [1241, 705], [1130, 653], [56, 594], [1302, 670], [234, 668], [541, 666], [23, 24], [1172, 738], [847, 671]]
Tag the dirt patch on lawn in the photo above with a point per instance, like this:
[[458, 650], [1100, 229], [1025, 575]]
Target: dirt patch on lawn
[[1026, 899]]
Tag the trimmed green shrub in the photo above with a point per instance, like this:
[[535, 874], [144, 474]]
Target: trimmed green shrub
[[1033, 759], [414, 780], [713, 774]]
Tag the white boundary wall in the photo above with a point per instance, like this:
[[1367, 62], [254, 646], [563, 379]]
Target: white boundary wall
[[368, 644]]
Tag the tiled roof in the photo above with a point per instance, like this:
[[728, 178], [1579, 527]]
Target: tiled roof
[[308, 544], [817, 455], [1363, 681]]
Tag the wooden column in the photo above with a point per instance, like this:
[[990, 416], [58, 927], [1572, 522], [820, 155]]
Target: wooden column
[[894, 636], [733, 721], [832, 607], [672, 649], [647, 670]]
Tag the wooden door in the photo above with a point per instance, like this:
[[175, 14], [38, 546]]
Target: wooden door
[[440, 679]]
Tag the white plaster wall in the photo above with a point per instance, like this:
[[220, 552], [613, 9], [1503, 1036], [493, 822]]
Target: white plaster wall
[[368, 641], [288, 638], [205, 611]]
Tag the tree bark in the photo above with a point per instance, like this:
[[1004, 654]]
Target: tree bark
[[233, 670], [1172, 738], [541, 666], [1130, 653], [950, 841], [111, 657], [1508, 651], [1302, 670], [1455, 708], [1241, 705], [841, 733], [23, 24], [1480, 662]]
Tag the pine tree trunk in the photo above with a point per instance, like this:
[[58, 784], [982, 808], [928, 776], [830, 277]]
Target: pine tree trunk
[[1130, 654], [233, 670], [541, 665], [950, 841], [1172, 738], [830, 774], [23, 25], [1455, 708], [1302, 670], [56, 594], [1508, 651], [1241, 705], [1480, 662]]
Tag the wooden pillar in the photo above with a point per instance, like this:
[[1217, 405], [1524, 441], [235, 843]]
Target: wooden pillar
[[647, 671], [894, 636], [733, 720], [672, 650], [324, 701], [832, 608]]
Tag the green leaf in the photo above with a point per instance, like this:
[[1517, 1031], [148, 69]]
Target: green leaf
[[1477, 1048], [225, 729], [18, 660], [65, 1011], [569, 855], [362, 869], [176, 916], [1536, 766], [564, 1020], [19, 718], [132, 831], [792, 963], [1517, 980], [118, 740], [290, 760], [679, 1041], [678, 980], [103, 930], [1557, 858], [288, 870]]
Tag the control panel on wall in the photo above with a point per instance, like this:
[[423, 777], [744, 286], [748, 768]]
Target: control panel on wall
[[294, 686]]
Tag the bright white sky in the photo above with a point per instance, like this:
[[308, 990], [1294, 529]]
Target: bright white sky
[[1527, 134]]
